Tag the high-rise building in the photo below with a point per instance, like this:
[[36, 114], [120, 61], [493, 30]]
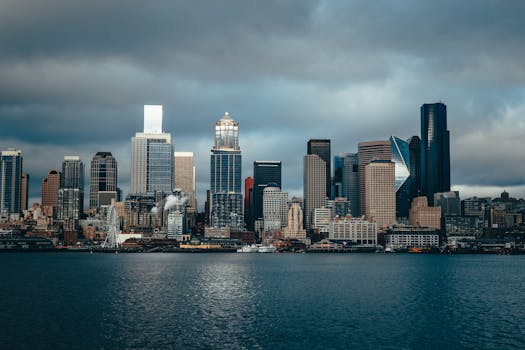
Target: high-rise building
[[71, 192], [414, 148], [275, 208], [422, 215], [264, 173], [152, 155], [380, 192], [103, 181], [185, 176], [367, 152], [337, 185], [49, 187], [24, 191], [226, 209], [10, 181], [449, 202], [401, 159], [321, 147], [351, 181], [295, 230], [314, 186], [435, 150], [248, 199]]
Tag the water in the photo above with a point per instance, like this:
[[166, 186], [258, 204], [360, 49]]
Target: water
[[258, 301]]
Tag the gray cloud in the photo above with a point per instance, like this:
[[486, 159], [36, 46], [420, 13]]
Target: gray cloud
[[74, 77]]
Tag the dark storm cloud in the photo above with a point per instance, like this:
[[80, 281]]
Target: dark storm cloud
[[74, 77]]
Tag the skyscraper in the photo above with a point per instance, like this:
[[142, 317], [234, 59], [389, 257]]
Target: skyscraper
[[226, 201], [275, 208], [152, 155], [321, 147], [185, 176], [71, 192], [435, 150], [50, 186], [248, 199], [264, 173], [403, 180], [380, 192], [367, 152], [103, 182], [350, 181], [10, 181], [24, 191], [414, 147], [314, 186]]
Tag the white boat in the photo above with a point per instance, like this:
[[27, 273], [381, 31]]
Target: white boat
[[267, 249], [248, 249]]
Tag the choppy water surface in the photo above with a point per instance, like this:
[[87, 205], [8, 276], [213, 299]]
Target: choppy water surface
[[272, 301]]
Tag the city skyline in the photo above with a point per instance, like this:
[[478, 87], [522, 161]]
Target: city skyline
[[329, 75]]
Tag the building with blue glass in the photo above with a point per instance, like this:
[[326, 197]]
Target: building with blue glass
[[10, 181], [435, 150], [226, 199], [152, 161]]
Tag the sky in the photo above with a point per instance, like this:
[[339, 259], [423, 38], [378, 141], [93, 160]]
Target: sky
[[74, 76]]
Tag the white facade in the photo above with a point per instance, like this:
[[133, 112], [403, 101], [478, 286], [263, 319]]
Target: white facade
[[152, 155], [275, 208], [353, 229], [175, 225], [321, 218], [152, 119], [412, 240]]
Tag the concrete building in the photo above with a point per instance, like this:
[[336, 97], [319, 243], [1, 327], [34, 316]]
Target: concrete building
[[49, 192], [152, 155], [321, 147], [314, 187], [103, 180], [71, 192], [10, 181], [184, 176], [367, 152], [421, 215], [226, 199], [412, 237], [356, 230], [275, 208], [295, 230], [321, 219], [449, 202], [24, 192], [380, 193]]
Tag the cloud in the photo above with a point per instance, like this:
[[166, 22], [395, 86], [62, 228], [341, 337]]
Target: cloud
[[74, 77]]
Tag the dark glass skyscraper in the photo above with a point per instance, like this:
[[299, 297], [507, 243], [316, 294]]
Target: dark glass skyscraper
[[226, 201], [10, 181], [414, 147], [103, 181], [264, 173], [321, 147], [435, 150]]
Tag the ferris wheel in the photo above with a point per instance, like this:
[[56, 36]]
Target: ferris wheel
[[113, 229]]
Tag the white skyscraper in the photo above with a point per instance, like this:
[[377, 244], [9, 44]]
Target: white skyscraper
[[275, 208], [152, 155]]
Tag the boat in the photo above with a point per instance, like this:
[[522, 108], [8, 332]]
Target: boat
[[267, 249], [248, 249]]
